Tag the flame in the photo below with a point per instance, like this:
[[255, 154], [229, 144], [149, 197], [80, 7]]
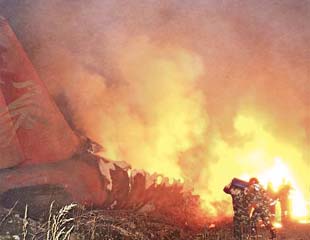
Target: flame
[[280, 174], [139, 98], [260, 154], [158, 120], [159, 114]]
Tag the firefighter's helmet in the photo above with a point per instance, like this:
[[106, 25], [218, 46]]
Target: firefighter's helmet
[[253, 181]]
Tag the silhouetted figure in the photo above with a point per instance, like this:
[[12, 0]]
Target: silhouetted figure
[[283, 193], [273, 197]]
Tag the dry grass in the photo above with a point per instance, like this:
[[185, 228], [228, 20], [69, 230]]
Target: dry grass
[[60, 225], [25, 223], [8, 213], [119, 225]]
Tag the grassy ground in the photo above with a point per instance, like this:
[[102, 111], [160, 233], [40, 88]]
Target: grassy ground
[[119, 225]]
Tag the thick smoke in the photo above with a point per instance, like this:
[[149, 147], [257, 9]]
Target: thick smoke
[[203, 90]]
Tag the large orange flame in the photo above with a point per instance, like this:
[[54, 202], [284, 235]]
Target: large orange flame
[[279, 171], [265, 157], [158, 120]]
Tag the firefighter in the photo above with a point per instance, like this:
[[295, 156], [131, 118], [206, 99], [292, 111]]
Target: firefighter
[[241, 207], [284, 192], [260, 202]]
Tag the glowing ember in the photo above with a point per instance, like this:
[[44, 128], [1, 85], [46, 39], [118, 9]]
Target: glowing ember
[[277, 225], [211, 226], [304, 221]]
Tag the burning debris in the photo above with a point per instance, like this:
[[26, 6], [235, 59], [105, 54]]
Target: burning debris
[[45, 157], [160, 118]]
